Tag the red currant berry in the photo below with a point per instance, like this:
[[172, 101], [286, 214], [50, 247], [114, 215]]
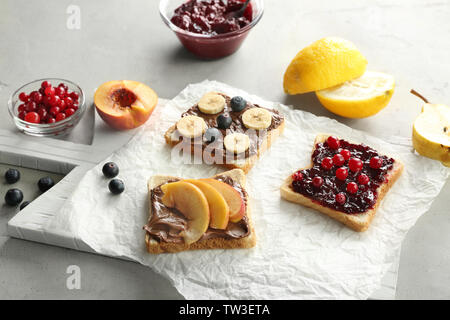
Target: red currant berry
[[71, 111], [68, 101], [22, 115], [46, 100], [60, 92], [30, 106], [32, 117], [376, 162], [317, 182], [338, 160], [333, 142], [355, 164], [49, 91], [352, 187], [42, 112], [342, 173], [74, 96], [35, 96], [297, 176], [50, 119], [75, 108], [21, 107], [363, 179], [23, 97], [327, 163], [54, 101], [41, 91], [346, 154], [61, 104], [341, 198], [45, 84], [60, 116], [54, 110]]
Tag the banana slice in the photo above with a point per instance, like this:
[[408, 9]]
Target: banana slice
[[236, 142], [211, 103], [191, 126], [257, 118]]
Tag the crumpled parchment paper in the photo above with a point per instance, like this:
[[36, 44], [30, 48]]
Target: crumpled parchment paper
[[300, 253]]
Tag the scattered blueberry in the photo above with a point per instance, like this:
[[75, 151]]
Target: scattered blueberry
[[45, 183], [212, 134], [238, 104], [24, 204], [223, 121], [116, 186], [13, 197], [12, 176], [110, 170]]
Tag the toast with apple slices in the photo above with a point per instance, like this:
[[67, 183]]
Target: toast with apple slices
[[239, 212], [218, 104], [358, 221]]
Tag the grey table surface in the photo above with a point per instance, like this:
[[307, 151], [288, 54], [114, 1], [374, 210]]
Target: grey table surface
[[121, 39]]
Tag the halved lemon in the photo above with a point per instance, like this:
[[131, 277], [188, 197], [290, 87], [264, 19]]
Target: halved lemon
[[359, 98], [323, 64]]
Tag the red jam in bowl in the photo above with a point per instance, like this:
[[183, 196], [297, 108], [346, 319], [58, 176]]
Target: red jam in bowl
[[209, 16], [210, 33]]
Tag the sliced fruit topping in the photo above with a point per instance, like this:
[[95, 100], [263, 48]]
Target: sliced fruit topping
[[355, 164], [211, 103], [218, 207], [191, 126], [123, 104], [238, 104], [323, 64], [236, 142], [233, 198], [257, 118], [192, 203], [361, 97], [224, 121], [431, 132]]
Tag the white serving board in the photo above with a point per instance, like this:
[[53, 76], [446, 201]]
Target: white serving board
[[73, 160]]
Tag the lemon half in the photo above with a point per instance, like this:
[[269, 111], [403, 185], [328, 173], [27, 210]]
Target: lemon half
[[361, 97]]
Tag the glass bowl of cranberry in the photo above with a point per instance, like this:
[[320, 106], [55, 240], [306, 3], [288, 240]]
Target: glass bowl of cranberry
[[47, 107], [208, 28]]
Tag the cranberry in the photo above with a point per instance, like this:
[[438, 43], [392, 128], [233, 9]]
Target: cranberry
[[363, 179], [69, 112], [341, 198], [60, 116], [54, 110], [32, 117], [30, 106], [376, 162], [346, 154], [21, 107], [352, 187], [42, 112], [45, 84], [355, 164], [49, 91], [342, 173], [317, 182], [327, 163], [338, 160], [23, 97], [333, 142], [297, 176]]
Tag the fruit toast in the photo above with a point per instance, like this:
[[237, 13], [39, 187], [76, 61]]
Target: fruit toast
[[230, 131], [196, 214], [345, 181]]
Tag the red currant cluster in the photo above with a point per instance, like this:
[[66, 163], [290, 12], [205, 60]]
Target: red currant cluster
[[48, 104]]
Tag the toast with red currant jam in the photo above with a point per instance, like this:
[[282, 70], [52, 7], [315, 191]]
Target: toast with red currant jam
[[345, 181]]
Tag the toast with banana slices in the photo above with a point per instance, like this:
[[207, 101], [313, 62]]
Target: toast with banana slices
[[345, 181], [226, 131]]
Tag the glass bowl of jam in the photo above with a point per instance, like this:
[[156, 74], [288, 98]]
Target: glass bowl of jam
[[208, 28]]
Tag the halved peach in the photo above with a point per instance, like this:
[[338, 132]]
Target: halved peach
[[218, 207], [231, 196], [192, 203], [125, 104]]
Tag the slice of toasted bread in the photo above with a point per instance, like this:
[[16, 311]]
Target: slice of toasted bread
[[358, 222], [155, 246], [246, 164]]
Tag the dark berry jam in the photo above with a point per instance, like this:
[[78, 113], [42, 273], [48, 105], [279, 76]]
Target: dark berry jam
[[355, 202], [209, 16]]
